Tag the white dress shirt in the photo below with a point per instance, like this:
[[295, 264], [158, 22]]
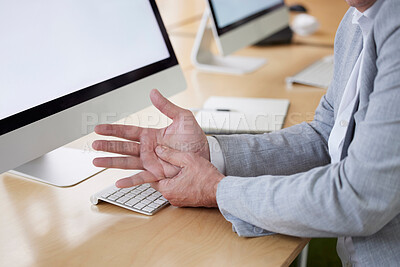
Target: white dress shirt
[[365, 21]]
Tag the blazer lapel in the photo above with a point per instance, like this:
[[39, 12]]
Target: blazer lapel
[[346, 58], [370, 70], [367, 77]]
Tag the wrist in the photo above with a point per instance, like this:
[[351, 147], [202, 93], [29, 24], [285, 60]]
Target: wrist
[[204, 149], [207, 151], [215, 189]]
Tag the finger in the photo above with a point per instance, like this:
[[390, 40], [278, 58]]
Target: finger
[[126, 163], [175, 157], [119, 147], [122, 131], [143, 177], [148, 157], [164, 105], [164, 185], [169, 169], [155, 185]]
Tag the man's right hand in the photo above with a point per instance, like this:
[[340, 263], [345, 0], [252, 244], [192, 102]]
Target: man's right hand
[[183, 134]]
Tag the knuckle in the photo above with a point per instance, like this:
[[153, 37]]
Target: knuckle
[[125, 162], [118, 131], [121, 162], [186, 113], [103, 145], [98, 145], [111, 146], [120, 146], [128, 146]]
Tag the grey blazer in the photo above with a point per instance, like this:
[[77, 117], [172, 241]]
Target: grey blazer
[[284, 182]]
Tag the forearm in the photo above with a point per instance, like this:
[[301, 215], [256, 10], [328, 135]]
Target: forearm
[[323, 202], [295, 149]]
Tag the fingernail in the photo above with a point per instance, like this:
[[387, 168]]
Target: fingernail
[[96, 162], [95, 145]]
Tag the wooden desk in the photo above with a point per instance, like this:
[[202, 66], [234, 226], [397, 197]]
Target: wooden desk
[[176, 13], [42, 225]]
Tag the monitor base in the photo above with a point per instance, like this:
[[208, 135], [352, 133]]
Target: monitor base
[[203, 58], [62, 167], [231, 64]]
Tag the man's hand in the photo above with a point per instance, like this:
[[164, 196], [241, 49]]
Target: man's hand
[[184, 134], [194, 186]]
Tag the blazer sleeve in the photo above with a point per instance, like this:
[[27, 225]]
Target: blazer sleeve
[[304, 146], [291, 150], [295, 149], [355, 197], [301, 147]]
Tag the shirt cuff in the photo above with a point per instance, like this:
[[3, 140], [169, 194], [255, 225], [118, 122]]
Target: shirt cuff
[[216, 155]]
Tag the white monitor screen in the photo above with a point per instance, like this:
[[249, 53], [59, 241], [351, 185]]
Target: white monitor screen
[[50, 49], [228, 12]]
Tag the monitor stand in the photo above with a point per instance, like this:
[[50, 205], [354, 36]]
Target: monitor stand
[[61, 167], [204, 59]]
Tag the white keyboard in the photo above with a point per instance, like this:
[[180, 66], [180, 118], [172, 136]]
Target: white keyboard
[[319, 74], [141, 198]]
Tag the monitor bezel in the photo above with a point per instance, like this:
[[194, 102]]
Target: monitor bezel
[[223, 30], [60, 104]]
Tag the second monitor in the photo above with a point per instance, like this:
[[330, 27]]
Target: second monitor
[[236, 24]]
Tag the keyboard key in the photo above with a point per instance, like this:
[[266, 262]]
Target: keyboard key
[[119, 194], [132, 202], [140, 197], [106, 194], [148, 209], [112, 197], [146, 193], [154, 205], [109, 192], [157, 194], [123, 199], [130, 195], [141, 188], [145, 201], [152, 197], [136, 191], [139, 206], [159, 202], [152, 190], [137, 198]]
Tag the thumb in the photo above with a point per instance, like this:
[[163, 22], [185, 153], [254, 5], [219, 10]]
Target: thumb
[[175, 157], [164, 105]]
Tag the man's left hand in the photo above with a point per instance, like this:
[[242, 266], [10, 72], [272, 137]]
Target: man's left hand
[[194, 186]]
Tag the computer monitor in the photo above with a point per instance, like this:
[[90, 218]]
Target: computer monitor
[[236, 24], [69, 63]]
